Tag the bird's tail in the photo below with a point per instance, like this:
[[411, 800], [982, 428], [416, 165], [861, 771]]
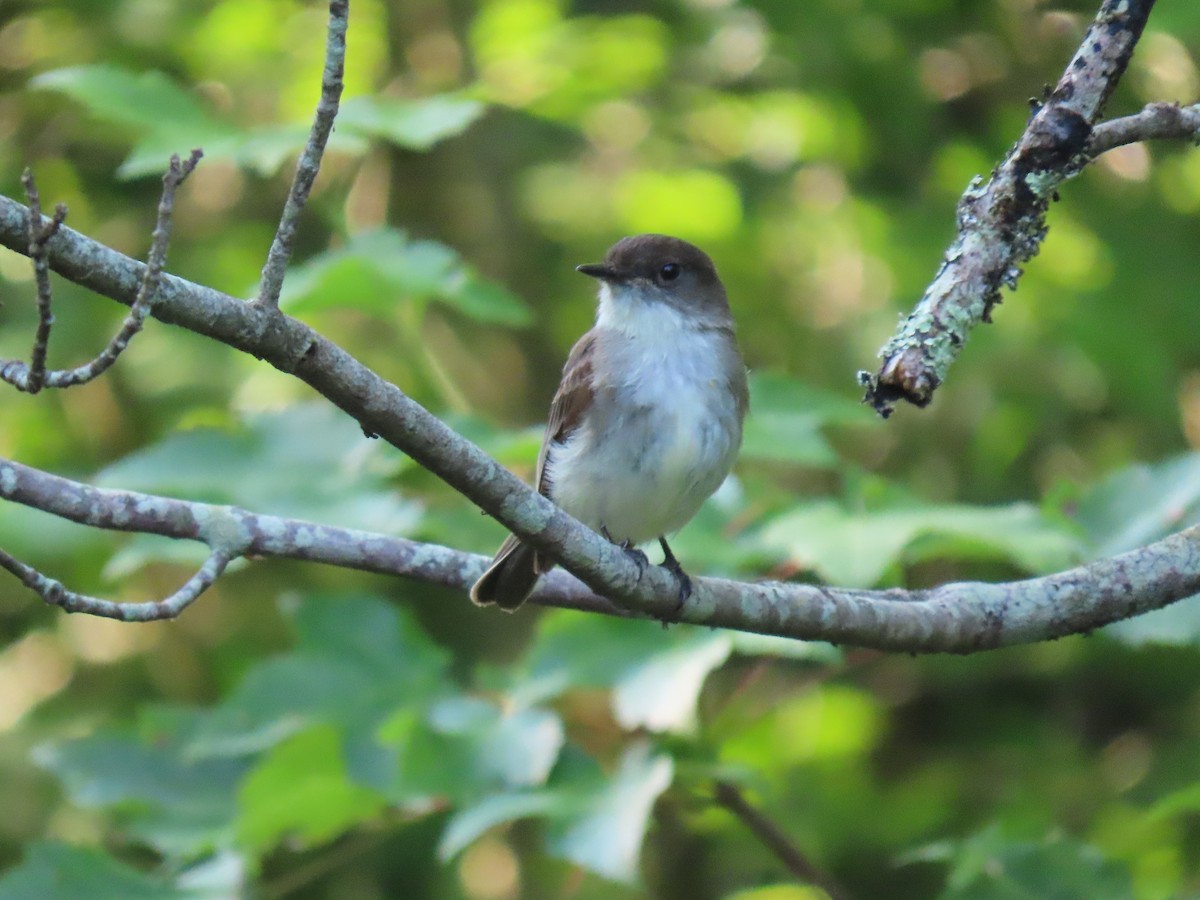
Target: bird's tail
[[510, 578]]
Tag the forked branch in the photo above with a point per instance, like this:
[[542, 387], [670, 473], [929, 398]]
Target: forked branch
[[954, 618], [54, 593], [33, 377], [1001, 223]]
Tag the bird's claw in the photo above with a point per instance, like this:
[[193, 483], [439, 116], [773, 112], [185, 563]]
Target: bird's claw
[[671, 564], [639, 558], [685, 583]]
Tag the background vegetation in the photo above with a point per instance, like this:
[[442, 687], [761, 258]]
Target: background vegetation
[[316, 733]]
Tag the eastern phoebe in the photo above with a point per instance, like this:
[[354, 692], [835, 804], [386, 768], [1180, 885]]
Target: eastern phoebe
[[647, 421]]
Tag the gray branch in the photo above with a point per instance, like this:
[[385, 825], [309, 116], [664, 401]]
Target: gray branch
[[954, 618], [379, 407], [1001, 223], [34, 377], [54, 593], [309, 163], [1157, 121]]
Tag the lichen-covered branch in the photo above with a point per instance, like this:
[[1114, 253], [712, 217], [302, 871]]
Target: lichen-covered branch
[[34, 377], [309, 163], [1001, 223], [953, 618]]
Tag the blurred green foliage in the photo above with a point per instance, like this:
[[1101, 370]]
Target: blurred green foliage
[[310, 733]]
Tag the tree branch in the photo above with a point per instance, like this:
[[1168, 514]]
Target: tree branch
[[309, 163], [245, 533], [378, 406], [775, 839], [40, 232], [1155, 121], [1002, 223], [55, 594], [954, 618], [34, 377]]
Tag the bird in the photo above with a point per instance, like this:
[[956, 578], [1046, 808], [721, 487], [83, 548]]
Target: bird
[[647, 420]]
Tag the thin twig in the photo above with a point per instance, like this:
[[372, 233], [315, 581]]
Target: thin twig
[[1001, 224], [54, 593], [148, 287], [34, 377], [775, 839], [309, 163], [1156, 121]]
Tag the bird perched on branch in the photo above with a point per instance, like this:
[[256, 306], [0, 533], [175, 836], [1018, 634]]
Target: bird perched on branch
[[647, 420]]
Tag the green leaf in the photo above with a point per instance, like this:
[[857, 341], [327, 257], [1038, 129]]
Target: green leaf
[[775, 391], [308, 461], [992, 867], [471, 821], [1176, 624], [789, 437], [485, 301], [145, 100], [656, 676], [357, 661], [588, 651], [264, 150], [1183, 801], [779, 892], [858, 549], [378, 270], [1140, 504], [167, 118], [217, 877], [464, 747], [53, 870], [831, 724], [661, 694], [412, 124], [266, 707], [179, 806], [786, 419], [302, 791], [1136, 506], [606, 836], [517, 747]]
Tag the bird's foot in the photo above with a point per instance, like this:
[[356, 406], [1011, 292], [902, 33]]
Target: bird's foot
[[639, 558], [671, 564]]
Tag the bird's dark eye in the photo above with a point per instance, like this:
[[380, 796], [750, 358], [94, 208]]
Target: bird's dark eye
[[669, 272]]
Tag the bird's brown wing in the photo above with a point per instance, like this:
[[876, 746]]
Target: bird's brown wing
[[573, 398]]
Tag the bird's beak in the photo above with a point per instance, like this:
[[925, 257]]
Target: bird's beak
[[599, 270]]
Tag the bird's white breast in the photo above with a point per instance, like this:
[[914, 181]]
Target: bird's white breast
[[663, 429]]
